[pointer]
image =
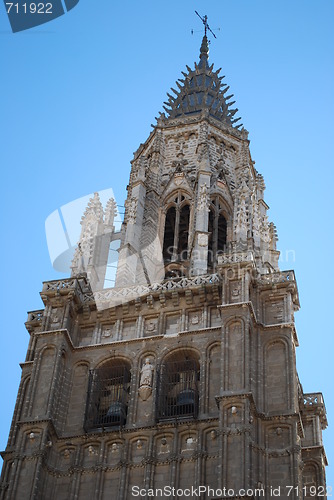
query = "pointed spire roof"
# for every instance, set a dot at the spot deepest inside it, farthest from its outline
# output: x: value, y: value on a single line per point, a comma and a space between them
x: 111, y: 210
x: 202, y: 88
x: 94, y: 208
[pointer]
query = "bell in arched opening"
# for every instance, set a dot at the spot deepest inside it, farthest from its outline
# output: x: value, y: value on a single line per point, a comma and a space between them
x: 176, y: 233
x: 178, y: 386
x: 108, y: 395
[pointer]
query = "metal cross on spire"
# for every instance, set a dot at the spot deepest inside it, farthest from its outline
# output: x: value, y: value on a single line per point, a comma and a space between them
x: 206, y: 25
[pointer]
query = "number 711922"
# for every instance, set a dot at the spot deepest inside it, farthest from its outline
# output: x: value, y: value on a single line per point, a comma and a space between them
x: 32, y: 8
x: 310, y: 491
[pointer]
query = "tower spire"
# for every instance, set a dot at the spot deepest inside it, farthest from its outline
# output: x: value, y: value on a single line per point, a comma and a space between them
x: 202, y: 89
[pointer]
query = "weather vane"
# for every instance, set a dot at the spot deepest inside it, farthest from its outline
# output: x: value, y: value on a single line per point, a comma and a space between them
x: 206, y: 24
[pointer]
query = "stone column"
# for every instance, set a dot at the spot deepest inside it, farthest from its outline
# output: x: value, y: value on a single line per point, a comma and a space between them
x: 199, y: 254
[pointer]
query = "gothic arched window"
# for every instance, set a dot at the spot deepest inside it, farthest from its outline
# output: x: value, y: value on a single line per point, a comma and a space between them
x: 108, y: 393
x: 178, y: 386
x: 217, y: 229
x: 175, y: 245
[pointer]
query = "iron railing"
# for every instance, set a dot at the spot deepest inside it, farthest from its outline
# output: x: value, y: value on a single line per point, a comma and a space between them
x: 107, y: 398
x: 178, y: 390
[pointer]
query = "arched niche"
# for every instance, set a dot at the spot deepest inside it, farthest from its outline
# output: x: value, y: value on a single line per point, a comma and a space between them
x: 218, y: 229
x: 310, y: 479
x: 178, y: 389
x: 235, y: 356
x: 276, y: 373
x: 77, y: 398
x: 176, y: 228
x: 45, y: 377
x: 108, y: 394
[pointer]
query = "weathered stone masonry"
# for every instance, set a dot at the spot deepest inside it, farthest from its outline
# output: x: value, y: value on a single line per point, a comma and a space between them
x: 199, y: 303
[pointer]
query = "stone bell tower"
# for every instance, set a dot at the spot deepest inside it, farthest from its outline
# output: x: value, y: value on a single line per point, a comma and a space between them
x: 182, y: 377
x: 204, y: 197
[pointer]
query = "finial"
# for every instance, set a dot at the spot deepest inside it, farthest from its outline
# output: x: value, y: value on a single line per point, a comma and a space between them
x: 205, y: 42
x: 204, y: 48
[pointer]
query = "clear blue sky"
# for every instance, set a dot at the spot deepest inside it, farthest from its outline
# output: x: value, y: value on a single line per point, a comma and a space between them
x: 78, y: 97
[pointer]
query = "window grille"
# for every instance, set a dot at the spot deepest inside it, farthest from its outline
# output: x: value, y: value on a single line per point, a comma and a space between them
x: 107, y: 398
x: 176, y: 234
x: 178, y: 389
x: 217, y: 229
x: 168, y: 247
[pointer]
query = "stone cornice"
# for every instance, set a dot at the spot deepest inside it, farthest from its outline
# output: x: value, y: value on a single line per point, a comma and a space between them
x: 261, y: 200
x: 156, y: 426
x: 237, y: 395
x: 194, y: 119
x: 138, y: 183
x: 276, y: 326
x: 122, y: 342
x: 319, y: 448
x: 198, y: 331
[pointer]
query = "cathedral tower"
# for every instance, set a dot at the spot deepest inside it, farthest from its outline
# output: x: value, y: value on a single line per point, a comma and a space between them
x: 183, y: 375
